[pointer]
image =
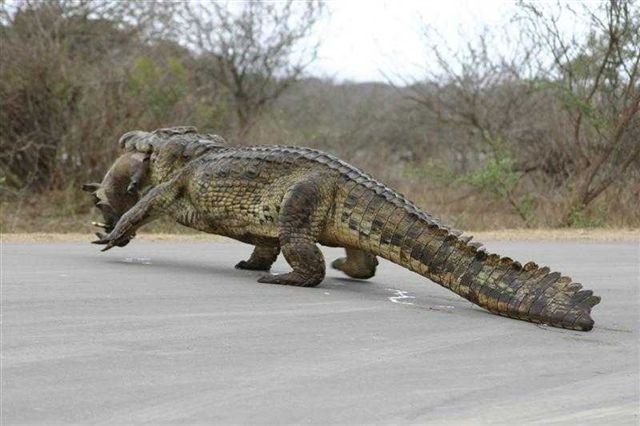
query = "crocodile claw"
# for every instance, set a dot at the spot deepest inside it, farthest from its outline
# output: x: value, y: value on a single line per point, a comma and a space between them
x: 109, y: 246
x: 110, y: 242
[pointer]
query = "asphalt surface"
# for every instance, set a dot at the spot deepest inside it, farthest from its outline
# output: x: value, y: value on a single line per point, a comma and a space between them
x: 172, y: 333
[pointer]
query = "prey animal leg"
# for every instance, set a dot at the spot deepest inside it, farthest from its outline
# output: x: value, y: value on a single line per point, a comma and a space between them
x: 358, y: 264
x: 261, y: 259
x: 302, y: 215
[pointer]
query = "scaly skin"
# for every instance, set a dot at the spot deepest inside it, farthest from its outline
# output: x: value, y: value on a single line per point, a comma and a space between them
x: 291, y: 199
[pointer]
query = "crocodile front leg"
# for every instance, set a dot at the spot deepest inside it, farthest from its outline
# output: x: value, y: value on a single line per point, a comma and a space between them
x: 150, y: 207
x: 302, y: 214
x: 261, y: 259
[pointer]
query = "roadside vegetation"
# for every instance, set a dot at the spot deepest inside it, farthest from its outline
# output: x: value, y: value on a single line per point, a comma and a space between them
x: 545, y: 134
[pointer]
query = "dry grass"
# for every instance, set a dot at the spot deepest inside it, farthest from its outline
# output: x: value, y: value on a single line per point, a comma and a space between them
x: 503, y: 235
x: 70, y: 211
x: 66, y: 216
x: 598, y: 234
x: 41, y: 237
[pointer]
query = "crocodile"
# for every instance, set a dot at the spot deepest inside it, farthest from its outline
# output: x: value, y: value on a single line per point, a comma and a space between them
x: 289, y: 200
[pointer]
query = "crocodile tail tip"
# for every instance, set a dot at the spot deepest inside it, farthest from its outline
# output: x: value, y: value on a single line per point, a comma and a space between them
x: 584, y: 300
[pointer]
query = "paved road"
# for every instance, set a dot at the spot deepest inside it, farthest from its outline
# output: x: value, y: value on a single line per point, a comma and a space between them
x: 170, y: 332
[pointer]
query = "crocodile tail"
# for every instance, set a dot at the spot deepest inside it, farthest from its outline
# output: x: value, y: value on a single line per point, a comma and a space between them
x: 387, y: 225
x: 373, y: 218
x: 498, y: 284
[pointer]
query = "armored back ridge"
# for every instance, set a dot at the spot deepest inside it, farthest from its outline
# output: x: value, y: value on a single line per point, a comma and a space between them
x: 284, y: 199
x: 171, y: 148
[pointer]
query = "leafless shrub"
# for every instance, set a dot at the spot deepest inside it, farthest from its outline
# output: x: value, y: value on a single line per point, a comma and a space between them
x: 543, y: 135
x: 565, y: 128
x: 597, y: 82
x: 256, y: 52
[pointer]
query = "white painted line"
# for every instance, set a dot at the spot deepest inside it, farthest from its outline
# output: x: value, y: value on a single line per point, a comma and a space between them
x: 400, y: 295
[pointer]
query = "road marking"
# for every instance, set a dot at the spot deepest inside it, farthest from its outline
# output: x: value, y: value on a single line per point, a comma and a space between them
x: 400, y: 295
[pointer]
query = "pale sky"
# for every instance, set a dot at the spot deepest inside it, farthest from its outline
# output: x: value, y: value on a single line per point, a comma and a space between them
x: 364, y: 39
x: 378, y: 40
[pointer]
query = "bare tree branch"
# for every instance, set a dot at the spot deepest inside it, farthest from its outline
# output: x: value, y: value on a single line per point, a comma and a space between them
x: 256, y: 52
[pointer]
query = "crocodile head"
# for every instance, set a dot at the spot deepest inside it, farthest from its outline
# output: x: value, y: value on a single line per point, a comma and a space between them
x: 120, y: 188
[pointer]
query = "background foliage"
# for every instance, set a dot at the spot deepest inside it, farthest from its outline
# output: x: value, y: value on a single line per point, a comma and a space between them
x: 547, y: 135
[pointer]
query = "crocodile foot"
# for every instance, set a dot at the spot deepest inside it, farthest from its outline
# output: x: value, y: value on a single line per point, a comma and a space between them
x: 358, y: 264
x: 291, y: 278
x: 253, y: 266
x: 110, y: 241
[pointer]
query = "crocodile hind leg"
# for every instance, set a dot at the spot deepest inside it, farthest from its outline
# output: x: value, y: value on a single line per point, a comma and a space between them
x: 303, y: 211
x: 357, y: 264
x: 261, y: 259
